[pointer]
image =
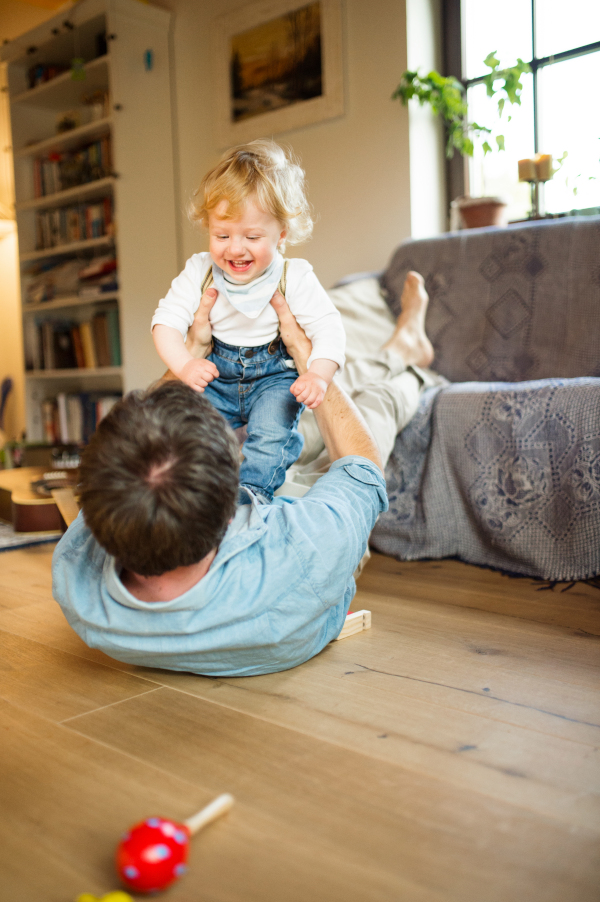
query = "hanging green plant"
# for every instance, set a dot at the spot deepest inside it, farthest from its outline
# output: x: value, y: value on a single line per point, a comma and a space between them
x: 446, y: 96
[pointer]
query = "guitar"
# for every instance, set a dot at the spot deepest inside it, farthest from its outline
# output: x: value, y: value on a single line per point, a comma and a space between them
x: 35, y: 500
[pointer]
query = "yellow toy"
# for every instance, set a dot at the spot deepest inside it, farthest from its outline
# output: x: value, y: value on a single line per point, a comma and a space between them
x: 116, y: 896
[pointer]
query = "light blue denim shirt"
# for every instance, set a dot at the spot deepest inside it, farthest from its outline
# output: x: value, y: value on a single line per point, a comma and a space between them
x: 276, y: 593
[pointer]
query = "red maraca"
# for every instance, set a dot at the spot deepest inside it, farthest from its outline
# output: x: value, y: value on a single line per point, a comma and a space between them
x: 153, y: 854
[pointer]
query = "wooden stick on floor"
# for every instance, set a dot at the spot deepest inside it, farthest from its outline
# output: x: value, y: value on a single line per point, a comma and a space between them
x: 355, y: 623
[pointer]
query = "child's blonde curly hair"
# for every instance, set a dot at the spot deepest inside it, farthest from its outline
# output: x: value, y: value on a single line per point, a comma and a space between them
x: 262, y: 170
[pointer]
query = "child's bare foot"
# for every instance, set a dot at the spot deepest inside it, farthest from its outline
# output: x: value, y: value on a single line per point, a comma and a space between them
x: 410, y: 339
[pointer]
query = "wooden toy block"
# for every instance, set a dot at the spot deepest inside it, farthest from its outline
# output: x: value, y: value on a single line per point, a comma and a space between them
x: 356, y: 622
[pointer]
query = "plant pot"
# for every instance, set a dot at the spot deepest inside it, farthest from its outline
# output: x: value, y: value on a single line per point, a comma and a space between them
x: 477, y: 212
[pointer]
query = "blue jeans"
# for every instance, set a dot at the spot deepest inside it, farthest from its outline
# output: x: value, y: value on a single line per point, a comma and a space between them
x: 253, y: 388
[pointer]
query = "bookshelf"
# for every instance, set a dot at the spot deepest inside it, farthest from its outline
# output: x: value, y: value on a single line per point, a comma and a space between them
x: 89, y: 94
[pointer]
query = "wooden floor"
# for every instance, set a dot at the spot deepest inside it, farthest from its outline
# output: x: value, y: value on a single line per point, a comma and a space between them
x: 451, y: 753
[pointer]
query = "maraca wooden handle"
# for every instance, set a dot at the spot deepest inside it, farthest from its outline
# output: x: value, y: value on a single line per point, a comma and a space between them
x: 221, y: 805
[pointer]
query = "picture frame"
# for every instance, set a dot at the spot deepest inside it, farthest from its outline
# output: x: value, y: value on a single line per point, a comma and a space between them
x: 278, y: 67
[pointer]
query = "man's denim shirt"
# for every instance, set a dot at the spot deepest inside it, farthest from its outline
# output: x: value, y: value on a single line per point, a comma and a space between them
x: 276, y: 593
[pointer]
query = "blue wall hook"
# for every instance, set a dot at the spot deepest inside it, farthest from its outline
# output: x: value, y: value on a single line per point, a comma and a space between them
x: 149, y: 60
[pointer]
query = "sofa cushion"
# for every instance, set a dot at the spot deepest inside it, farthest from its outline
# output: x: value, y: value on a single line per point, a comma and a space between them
x: 510, y: 304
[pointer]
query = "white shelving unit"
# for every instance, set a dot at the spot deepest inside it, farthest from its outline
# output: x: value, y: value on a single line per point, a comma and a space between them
x: 125, y: 52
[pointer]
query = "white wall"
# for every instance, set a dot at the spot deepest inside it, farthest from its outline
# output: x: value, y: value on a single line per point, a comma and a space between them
x: 357, y: 165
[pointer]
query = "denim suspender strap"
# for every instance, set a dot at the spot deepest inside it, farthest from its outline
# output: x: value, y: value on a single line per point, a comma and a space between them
x: 206, y: 281
x: 282, y: 287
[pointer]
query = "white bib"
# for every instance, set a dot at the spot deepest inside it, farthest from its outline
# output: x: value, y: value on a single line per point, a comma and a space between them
x: 251, y: 298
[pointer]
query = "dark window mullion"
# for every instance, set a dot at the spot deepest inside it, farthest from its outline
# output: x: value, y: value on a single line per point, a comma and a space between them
x: 544, y: 61
x: 534, y: 69
x: 567, y: 54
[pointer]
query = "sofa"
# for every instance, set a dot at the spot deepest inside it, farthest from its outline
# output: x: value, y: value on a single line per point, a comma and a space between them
x: 500, y: 467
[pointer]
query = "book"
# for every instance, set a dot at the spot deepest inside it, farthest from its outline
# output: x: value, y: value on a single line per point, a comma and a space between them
x: 49, y: 421
x: 73, y: 418
x: 100, y: 333
x: 63, y: 428
x: 59, y: 171
x: 32, y: 344
x: 78, y: 222
x: 47, y: 345
x: 64, y: 351
x: 87, y: 341
x: 77, y: 346
x: 114, y: 341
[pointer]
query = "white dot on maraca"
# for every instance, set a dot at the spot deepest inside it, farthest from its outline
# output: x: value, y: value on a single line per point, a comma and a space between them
x: 156, y: 853
x: 131, y: 872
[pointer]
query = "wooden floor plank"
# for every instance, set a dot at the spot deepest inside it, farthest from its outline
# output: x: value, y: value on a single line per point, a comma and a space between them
x: 66, y: 800
x: 25, y: 575
x: 457, y: 584
x: 477, y: 843
x: 43, y: 621
x: 380, y: 770
x: 555, y: 777
x: 57, y: 685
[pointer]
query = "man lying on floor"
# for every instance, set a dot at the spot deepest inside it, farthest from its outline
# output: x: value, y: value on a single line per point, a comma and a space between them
x: 163, y: 569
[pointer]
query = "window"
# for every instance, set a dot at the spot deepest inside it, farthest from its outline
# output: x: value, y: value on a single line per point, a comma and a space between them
x: 559, y: 112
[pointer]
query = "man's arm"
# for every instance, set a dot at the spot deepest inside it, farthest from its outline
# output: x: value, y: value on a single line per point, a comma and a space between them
x: 343, y: 429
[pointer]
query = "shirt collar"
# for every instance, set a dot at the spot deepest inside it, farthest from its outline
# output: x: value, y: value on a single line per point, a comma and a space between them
x: 245, y: 529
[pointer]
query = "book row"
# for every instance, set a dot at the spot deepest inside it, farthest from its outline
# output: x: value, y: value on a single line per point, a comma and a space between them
x: 78, y: 222
x: 63, y: 344
x: 60, y: 171
x: 41, y: 72
x: 73, y: 418
x: 45, y: 280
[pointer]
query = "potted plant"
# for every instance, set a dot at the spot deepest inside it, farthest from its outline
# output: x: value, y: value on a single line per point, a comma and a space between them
x: 446, y: 97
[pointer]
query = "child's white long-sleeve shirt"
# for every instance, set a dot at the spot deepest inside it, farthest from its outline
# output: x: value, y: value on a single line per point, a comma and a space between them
x: 306, y: 297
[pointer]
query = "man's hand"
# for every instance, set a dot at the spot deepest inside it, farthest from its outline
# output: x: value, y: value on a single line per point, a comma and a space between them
x: 198, y: 373
x: 309, y: 389
x: 198, y: 341
x: 199, y: 337
x: 294, y: 337
x: 343, y: 429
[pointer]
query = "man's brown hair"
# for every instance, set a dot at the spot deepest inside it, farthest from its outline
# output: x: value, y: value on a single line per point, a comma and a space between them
x: 159, y: 479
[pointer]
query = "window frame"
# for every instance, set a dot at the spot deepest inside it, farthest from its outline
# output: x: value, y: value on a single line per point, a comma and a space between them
x: 456, y: 178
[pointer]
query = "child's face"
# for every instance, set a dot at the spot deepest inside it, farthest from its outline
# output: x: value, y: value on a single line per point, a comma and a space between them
x: 243, y: 248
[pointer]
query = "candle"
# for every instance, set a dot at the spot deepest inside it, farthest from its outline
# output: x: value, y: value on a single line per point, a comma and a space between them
x: 527, y: 171
x: 543, y: 166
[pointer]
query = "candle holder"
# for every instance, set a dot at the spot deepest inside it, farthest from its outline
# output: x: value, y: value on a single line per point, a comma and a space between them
x: 536, y: 171
x: 537, y: 199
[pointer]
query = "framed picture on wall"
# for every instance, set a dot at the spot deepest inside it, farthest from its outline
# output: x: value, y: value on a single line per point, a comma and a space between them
x: 278, y: 66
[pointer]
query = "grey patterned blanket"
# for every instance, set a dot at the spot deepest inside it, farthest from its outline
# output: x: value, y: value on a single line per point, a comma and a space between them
x: 504, y: 474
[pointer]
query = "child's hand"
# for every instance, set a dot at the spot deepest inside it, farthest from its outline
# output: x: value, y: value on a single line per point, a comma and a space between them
x: 198, y: 373
x: 309, y: 389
